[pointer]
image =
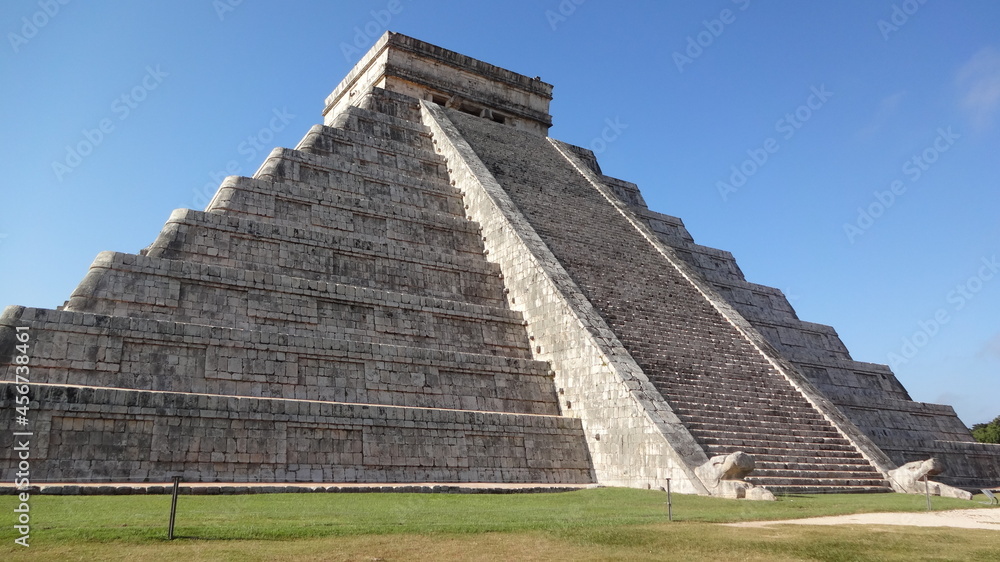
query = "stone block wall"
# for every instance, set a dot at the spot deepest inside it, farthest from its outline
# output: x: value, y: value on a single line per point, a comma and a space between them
x: 339, y: 257
x: 332, y: 319
x: 132, y: 353
x: 104, y: 434
x: 143, y: 287
x: 424, y: 71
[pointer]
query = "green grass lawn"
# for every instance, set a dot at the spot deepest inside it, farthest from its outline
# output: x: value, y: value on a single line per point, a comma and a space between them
x: 609, y: 523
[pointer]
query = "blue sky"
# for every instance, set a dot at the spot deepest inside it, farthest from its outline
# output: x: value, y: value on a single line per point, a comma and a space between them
x: 845, y: 152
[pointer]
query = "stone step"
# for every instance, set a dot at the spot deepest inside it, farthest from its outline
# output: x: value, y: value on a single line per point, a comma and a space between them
x: 141, y: 286
x: 687, y: 378
x: 792, y: 434
x: 724, y: 418
x: 742, y: 409
x: 381, y: 125
x: 120, y: 352
x: 422, y: 164
x: 392, y: 104
x: 737, y: 387
x: 802, y: 490
x: 795, y: 461
x: 745, y: 411
x: 812, y: 481
x: 846, y: 465
x: 824, y: 455
x: 812, y: 473
x: 290, y: 165
x: 317, y: 254
x: 752, y: 445
x: 351, y: 145
x: 279, y: 203
x: 808, y: 424
x: 134, y: 435
x: 429, y: 189
x: 798, y: 431
x: 740, y: 424
x: 722, y: 400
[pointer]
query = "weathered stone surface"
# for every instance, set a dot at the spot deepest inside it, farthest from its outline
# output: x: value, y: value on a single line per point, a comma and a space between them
x: 914, y: 478
x: 734, y: 466
x: 423, y: 71
x: 332, y: 319
x: 725, y: 476
x: 104, y: 434
x: 427, y: 289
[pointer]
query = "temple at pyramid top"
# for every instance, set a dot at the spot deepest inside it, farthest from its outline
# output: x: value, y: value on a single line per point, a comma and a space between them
x: 412, y: 67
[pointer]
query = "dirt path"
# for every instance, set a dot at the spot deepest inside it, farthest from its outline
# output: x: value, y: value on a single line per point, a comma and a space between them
x: 963, y: 518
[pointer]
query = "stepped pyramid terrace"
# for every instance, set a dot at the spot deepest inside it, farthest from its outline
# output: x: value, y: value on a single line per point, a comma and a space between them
x: 428, y: 288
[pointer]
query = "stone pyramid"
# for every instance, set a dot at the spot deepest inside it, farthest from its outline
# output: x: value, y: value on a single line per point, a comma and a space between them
x: 429, y: 289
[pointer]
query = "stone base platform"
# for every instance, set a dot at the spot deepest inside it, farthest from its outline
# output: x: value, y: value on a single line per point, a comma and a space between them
x: 235, y: 488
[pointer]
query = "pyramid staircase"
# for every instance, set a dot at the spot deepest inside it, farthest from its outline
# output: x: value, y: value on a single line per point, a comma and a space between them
x: 869, y: 394
x: 720, y: 386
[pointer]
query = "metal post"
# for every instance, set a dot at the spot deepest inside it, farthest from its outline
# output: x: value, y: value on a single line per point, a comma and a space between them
x: 670, y: 507
x: 927, y: 492
x: 173, y: 507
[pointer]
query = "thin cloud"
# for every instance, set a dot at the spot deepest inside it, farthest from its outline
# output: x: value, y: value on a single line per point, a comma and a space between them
x: 978, y: 81
x: 991, y: 349
x: 887, y: 107
x: 949, y: 398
